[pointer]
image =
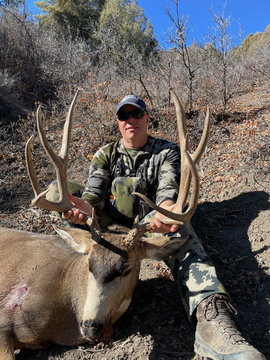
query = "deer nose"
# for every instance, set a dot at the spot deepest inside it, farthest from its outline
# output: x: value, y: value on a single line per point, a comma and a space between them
x: 92, y: 329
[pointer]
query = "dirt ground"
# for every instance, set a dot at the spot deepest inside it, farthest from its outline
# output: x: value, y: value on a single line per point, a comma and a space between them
x: 232, y: 220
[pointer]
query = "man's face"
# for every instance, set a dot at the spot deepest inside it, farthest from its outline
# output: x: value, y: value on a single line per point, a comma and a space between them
x: 134, y: 131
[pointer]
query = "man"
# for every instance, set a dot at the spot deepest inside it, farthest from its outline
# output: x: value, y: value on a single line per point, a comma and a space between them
x: 138, y: 162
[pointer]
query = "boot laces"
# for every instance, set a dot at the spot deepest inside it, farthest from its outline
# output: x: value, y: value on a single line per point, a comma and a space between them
x: 213, y: 310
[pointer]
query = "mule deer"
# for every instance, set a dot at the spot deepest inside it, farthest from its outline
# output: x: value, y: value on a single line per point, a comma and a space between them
x: 69, y: 288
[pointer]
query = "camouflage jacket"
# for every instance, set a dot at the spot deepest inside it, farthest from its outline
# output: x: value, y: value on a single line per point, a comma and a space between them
x: 115, y: 173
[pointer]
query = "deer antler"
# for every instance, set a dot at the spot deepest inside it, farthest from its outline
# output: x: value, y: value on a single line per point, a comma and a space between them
x: 136, y: 233
x: 185, y: 146
x: 59, y: 161
x: 189, y: 171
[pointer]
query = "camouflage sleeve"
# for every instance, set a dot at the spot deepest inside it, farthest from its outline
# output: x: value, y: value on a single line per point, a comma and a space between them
x: 169, y: 176
x: 98, y: 179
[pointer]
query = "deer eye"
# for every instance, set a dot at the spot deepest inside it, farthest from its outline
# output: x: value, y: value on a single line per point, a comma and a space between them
x: 110, y: 277
x: 127, y: 272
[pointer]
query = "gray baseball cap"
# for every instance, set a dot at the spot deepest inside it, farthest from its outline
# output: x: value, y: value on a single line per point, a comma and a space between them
x: 132, y: 100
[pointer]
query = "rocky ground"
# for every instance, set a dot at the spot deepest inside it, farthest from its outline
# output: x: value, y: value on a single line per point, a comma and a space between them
x: 232, y: 220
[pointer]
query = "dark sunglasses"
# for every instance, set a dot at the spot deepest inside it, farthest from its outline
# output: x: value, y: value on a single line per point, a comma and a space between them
x: 136, y: 114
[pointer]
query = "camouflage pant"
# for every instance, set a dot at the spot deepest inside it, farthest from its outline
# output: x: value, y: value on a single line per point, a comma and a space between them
x: 191, y: 267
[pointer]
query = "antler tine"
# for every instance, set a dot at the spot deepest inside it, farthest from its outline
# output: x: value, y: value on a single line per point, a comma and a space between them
x: 184, y: 146
x: 60, y: 164
x: 67, y: 129
x: 204, y: 140
x: 185, y: 179
x: 30, y: 167
x: 181, y: 123
x: 136, y: 233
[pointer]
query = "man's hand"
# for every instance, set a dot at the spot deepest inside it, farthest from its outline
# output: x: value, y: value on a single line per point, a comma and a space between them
x: 76, y: 216
x: 157, y: 225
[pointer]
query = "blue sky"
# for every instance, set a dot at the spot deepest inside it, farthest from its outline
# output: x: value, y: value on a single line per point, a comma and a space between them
x: 253, y: 15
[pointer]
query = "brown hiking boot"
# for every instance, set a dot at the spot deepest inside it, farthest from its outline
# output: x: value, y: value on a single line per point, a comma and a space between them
x: 216, y: 335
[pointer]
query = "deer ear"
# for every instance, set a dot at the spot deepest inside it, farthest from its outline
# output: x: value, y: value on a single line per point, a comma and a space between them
x: 80, y: 240
x: 161, y: 247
